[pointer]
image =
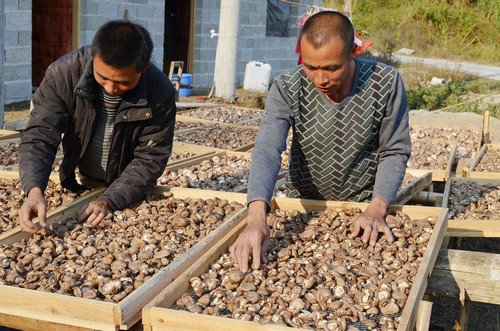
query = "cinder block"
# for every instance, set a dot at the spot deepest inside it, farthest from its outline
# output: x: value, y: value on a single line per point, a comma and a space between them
x: 149, y: 12
x: 18, y: 55
x: 18, y: 19
x: 132, y: 11
x: 11, y: 5
x: 11, y: 38
x: 25, y: 4
x: 108, y: 8
x: 16, y: 91
x: 13, y: 72
x: 89, y: 7
x: 25, y: 38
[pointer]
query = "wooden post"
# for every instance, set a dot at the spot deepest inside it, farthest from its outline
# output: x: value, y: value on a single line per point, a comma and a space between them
x: 464, y: 310
x: 486, y: 127
x: 2, y: 46
x: 424, y: 315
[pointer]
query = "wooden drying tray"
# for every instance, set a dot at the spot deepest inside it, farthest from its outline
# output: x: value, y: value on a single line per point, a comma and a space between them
x: 188, y: 162
x: 189, y: 119
x: 158, y: 314
x: 423, y: 181
x: 8, y: 134
x: 244, y: 148
x: 475, y: 161
x: 471, y: 228
x: 457, y: 271
x: 481, y: 131
x: 22, y: 308
x: 440, y: 175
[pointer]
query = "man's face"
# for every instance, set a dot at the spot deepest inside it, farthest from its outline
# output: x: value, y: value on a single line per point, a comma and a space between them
x: 115, y: 81
x: 328, y: 66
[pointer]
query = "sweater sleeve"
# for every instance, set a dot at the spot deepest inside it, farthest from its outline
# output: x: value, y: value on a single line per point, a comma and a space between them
x: 395, y: 144
x: 269, y: 145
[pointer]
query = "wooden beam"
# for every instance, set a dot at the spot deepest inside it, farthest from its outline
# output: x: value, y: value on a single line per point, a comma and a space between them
x: 408, y: 192
x: 477, y: 272
x: 424, y: 315
x: 473, y: 228
x: 464, y: 309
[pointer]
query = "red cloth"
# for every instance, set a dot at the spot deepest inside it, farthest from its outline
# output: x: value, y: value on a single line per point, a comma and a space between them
x: 362, y: 44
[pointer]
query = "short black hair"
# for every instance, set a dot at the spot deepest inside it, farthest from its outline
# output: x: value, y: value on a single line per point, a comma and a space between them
x: 323, y: 26
x: 122, y: 44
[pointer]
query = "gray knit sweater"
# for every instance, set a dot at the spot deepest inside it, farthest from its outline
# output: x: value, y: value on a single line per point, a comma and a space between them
x: 348, y: 151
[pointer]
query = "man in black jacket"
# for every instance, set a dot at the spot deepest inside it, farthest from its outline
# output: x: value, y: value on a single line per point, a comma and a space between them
x: 114, y: 113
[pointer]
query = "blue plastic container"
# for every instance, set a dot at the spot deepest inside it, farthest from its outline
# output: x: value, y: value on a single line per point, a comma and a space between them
x: 187, y: 79
x: 184, y: 92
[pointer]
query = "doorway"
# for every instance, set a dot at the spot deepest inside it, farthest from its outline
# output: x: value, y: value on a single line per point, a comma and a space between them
x: 52, y: 34
x: 178, y: 33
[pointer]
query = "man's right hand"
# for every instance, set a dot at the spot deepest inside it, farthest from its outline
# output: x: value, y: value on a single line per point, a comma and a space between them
x: 34, y: 205
x: 254, y: 239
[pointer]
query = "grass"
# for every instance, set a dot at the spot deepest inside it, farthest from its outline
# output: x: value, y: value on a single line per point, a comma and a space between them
x: 456, y: 30
x: 458, y: 88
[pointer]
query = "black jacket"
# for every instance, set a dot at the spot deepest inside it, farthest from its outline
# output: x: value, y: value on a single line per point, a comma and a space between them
x: 65, y: 106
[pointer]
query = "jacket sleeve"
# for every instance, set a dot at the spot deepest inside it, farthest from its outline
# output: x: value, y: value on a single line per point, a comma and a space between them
x: 270, y: 143
x: 149, y: 161
x: 42, y: 134
x: 395, y: 144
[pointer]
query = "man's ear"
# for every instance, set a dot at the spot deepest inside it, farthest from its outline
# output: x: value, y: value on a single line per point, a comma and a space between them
x: 353, y: 51
x: 147, y: 67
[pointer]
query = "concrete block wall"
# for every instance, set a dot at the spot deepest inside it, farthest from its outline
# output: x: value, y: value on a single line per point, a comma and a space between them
x: 16, y: 50
x: 17, y: 33
x: 148, y: 13
x: 253, y: 44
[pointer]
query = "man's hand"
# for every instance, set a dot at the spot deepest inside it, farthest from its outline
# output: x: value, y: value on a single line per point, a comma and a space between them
x: 95, y: 212
x: 372, y: 222
x: 34, y: 205
x: 255, y: 238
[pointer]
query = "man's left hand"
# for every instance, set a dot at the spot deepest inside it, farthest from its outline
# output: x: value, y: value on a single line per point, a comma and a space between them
x: 372, y: 222
x: 95, y: 212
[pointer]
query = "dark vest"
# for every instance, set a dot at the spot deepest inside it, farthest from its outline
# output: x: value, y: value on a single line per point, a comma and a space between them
x: 334, y: 153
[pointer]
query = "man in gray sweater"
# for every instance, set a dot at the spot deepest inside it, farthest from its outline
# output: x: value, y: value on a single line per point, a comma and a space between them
x: 351, y: 139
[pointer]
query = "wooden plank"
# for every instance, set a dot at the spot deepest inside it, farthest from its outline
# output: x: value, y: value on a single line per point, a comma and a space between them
x: 424, y: 315
x: 185, y: 147
x: 8, y: 134
x: 16, y: 125
x: 408, y: 317
x: 34, y: 323
x: 190, y: 105
x: 451, y: 160
x: 158, y: 314
x: 190, y: 119
x: 478, y: 157
x: 474, y: 228
x: 477, y: 272
x: 54, y: 308
x: 464, y: 309
x: 414, y: 188
x: 486, y: 127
